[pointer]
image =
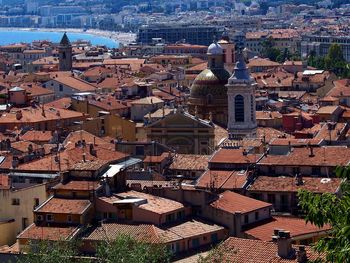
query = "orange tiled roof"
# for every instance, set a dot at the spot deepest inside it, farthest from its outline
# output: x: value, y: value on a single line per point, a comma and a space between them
x: 227, y: 180
x: 333, y: 134
x: 341, y: 88
x: 153, y: 234
x: 288, y: 184
x: 35, y: 90
x: 154, y: 203
x: 75, y: 83
x: 134, y: 63
x: 70, y: 158
x: 267, y: 134
x: 234, y: 156
x: 23, y: 146
x: 107, y: 103
x: 256, y: 251
x: 295, y: 142
x: 266, y: 115
x: 97, y: 71
x: 34, y: 115
x: 188, y: 229
x: 323, y: 156
x: 42, y: 136
x: 296, y: 227
x: 156, y: 159
x: 262, y: 62
x: 64, y: 206
x: 232, y: 202
x: 63, y: 103
x: 193, y: 162
x: 109, y: 231
x: 78, y: 186
x: 34, y: 232
x: 81, y: 135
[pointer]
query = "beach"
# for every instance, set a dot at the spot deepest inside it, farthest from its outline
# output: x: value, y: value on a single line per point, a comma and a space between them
x: 120, y: 37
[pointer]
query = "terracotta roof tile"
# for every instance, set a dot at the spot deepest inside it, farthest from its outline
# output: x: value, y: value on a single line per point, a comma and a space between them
x: 154, y: 203
x: 107, y: 103
x: 34, y: 115
x: 256, y: 251
x: 295, y: 142
x: 188, y: 229
x: 70, y: 158
x: 77, y: 84
x: 64, y: 206
x: 233, y: 156
x: 78, y: 186
x: 296, y: 227
x: 37, y: 136
x: 23, y: 146
x: 323, y: 156
x: 288, y: 184
x: 227, y: 180
x: 110, y: 231
x: 81, y: 135
x: 232, y: 202
x: 190, y: 162
x: 341, y: 88
x: 34, y: 232
x: 63, y: 103
x: 156, y: 159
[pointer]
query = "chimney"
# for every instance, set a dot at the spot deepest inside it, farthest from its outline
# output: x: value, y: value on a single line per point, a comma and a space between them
x: 284, y: 244
x: 298, y: 180
x: 19, y: 115
x: 15, y: 162
x: 301, y: 255
x: 43, y: 111
x: 92, y: 150
x: 311, y: 151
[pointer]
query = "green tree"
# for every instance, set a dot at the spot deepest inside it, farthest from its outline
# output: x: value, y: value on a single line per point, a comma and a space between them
x: 125, y: 249
x: 46, y: 251
x: 334, y: 61
x: 269, y: 50
x: 333, y: 210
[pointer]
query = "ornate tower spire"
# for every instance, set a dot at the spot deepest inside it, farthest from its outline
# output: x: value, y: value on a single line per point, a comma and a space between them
x: 241, y: 101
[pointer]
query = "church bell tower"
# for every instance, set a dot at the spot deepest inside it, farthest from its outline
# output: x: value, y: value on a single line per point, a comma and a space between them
x: 65, y: 54
x: 241, y: 102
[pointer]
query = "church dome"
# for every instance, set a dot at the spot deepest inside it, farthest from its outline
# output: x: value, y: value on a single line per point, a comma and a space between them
x: 215, y: 49
x: 210, y: 82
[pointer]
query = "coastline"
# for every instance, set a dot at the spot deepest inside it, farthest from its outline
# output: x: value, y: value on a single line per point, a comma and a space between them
x: 120, y: 37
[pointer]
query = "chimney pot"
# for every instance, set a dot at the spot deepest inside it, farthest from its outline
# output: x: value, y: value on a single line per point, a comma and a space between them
x: 301, y: 255
x: 284, y: 245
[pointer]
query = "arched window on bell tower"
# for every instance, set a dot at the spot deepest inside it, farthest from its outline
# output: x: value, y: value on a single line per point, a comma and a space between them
x: 239, y: 108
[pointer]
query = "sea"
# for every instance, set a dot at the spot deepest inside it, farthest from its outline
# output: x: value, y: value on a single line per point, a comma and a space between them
x: 8, y: 36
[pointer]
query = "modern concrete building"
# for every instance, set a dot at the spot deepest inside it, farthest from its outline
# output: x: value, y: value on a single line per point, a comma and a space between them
x: 321, y: 44
x: 192, y: 34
